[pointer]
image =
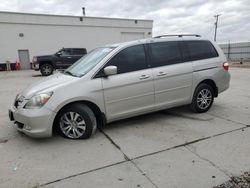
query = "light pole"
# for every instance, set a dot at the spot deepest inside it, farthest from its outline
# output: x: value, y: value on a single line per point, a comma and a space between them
x: 216, y: 24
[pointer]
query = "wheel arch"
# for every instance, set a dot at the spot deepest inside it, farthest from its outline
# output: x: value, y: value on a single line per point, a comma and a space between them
x: 100, y: 116
x: 41, y: 62
x: 211, y: 83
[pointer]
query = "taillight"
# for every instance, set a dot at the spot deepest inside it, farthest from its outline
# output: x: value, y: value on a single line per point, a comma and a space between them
x: 226, y: 66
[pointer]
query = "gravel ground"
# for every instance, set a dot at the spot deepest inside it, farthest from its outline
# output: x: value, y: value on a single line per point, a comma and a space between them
x: 242, y: 181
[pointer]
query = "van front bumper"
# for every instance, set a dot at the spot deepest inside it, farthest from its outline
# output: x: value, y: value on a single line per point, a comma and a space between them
x: 33, y: 122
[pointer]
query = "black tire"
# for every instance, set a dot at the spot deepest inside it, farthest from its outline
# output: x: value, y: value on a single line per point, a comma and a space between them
x: 46, y: 69
x: 200, y: 104
x: 85, y: 114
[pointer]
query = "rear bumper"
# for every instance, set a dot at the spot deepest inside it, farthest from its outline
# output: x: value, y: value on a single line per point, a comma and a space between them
x: 33, y: 122
x: 224, y: 82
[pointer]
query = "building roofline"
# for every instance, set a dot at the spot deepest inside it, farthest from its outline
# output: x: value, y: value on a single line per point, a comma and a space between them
x: 234, y: 42
x: 72, y: 16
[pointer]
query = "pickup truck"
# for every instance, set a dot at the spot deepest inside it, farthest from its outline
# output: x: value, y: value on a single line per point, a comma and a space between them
x: 60, y: 60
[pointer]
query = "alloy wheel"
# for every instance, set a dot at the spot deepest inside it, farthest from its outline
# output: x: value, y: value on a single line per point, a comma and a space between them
x: 204, y: 99
x: 47, y: 69
x: 72, y: 125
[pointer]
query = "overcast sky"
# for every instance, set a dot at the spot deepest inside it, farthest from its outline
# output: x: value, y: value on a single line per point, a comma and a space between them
x: 170, y: 16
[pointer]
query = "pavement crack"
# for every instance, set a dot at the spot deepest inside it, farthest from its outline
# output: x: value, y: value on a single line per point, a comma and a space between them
x: 78, y: 174
x: 188, y: 117
x: 144, y: 174
x: 127, y: 158
x: 227, y: 119
x: 115, y: 145
x: 210, y: 162
x: 191, y: 142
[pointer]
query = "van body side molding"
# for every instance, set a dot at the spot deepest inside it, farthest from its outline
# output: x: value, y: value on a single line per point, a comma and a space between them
x: 205, y: 69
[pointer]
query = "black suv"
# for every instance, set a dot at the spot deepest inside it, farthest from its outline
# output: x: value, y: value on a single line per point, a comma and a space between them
x: 60, y: 60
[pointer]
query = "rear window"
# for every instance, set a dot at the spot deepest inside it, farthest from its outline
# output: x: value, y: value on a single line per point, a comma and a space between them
x: 200, y: 50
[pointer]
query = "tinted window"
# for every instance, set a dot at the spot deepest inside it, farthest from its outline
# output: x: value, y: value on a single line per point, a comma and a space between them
x: 130, y: 59
x: 79, y: 51
x: 66, y: 52
x: 200, y: 50
x: 165, y: 53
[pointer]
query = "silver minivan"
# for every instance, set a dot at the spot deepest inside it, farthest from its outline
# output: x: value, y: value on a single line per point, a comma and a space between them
x: 119, y: 81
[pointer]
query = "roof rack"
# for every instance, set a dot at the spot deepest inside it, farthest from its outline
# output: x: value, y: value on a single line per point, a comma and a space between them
x: 180, y: 35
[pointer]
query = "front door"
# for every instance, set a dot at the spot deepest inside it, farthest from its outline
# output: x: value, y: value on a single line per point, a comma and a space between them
x: 130, y: 92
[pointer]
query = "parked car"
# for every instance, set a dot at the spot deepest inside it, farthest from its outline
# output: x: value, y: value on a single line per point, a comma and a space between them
x: 60, y: 60
x: 120, y: 81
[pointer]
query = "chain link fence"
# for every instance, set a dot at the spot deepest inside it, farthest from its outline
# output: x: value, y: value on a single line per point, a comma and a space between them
x: 237, y: 51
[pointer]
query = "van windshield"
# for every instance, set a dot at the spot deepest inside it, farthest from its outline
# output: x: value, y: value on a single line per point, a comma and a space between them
x: 87, y: 62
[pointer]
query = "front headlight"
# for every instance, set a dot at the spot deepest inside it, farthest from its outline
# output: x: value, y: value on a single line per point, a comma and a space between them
x: 38, y: 101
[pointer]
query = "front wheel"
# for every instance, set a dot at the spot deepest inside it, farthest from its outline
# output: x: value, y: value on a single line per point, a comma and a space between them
x: 203, y: 98
x: 46, y: 69
x: 77, y: 122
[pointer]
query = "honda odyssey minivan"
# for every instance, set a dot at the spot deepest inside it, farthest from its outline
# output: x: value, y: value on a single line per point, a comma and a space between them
x: 119, y: 81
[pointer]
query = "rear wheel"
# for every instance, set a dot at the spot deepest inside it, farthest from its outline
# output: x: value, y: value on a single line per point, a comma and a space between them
x: 46, y: 69
x: 77, y: 122
x: 203, y: 98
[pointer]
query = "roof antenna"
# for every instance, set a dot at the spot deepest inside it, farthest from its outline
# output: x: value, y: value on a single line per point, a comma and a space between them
x: 83, y: 11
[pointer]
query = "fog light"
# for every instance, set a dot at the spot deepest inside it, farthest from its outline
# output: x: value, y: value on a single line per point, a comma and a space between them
x: 19, y: 125
x: 27, y: 127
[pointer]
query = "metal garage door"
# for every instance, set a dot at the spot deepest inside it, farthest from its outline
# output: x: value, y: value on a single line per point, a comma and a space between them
x: 24, y: 59
x: 128, y: 36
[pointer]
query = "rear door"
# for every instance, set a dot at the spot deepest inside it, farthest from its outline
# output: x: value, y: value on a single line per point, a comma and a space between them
x: 172, y: 75
x: 131, y: 91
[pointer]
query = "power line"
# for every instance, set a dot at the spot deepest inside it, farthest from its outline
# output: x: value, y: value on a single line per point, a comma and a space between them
x: 216, y: 25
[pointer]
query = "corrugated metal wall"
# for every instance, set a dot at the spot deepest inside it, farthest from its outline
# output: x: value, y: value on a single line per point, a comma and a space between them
x: 236, y: 51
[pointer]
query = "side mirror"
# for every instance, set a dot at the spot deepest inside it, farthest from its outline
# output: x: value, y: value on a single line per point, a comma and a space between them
x: 58, y: 54
x: 110, y: 70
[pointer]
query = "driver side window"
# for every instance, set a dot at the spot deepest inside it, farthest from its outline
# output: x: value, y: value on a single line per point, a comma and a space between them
x: 130, y: 59
x: 66, y: 52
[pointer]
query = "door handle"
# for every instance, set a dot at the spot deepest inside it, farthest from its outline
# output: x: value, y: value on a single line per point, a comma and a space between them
x: 69, y: 57
x: 142, y: 77
x: 161, y: 74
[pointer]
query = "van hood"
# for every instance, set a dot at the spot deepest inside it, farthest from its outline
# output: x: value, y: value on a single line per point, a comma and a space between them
x: 48, y: 84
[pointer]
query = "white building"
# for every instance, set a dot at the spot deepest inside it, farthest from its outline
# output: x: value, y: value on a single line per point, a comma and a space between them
x: 24, y: 35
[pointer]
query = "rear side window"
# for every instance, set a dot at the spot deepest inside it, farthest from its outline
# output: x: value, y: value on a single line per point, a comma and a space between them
x: 79, y: 51
x: 165, y: 53
x: 130, y: 59
x: 200, y: 50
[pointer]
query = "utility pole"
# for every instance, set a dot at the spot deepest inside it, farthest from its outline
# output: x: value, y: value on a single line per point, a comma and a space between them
x: 216, y: 24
